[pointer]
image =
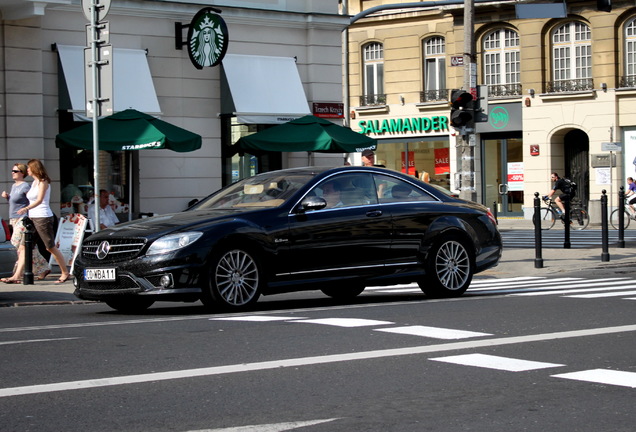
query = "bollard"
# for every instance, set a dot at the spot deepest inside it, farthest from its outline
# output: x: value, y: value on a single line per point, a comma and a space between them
x: 538, y: 260
x: 566, y: 224
x: 27, y: 277
x: 494, y: 211
x: 605, y: 254
x: 621, y: 218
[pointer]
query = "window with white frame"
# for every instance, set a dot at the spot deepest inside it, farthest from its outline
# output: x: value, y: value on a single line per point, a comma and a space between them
x: 373, y: 74
x: 630, y: 54
x: 572, y: 57
x: 434, y: 69
x: 502, y: 61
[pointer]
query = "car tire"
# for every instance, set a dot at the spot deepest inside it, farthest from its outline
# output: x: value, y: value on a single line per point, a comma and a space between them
x: 234, y: 280
x: 130, y: 305
x: 449, y: 268
x: 343, y: 291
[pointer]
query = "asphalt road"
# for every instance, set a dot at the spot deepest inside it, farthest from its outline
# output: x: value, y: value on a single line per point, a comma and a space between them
x: 551, y: 353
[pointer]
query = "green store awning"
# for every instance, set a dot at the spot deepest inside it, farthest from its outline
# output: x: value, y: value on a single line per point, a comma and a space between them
x: 130, y: 130
x: 310, y: 134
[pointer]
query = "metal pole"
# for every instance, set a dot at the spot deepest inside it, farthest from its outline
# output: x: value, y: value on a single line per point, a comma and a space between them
x: 566, y: 221
x: 467, y: 148
x: 538, y: 259
x: 621, y: 217
x: 605, y: 254
x: 27, y: 278
x: 95, y: 102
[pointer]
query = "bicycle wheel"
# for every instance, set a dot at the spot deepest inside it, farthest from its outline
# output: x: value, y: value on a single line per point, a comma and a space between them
x: 614, y: 219
x: 546, y: 218
x: 580, y: 219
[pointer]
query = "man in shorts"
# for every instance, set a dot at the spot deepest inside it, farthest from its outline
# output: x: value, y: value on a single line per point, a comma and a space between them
x: 559, y: 185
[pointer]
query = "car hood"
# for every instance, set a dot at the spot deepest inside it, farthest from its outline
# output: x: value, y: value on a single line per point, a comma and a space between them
x: 158, y: 226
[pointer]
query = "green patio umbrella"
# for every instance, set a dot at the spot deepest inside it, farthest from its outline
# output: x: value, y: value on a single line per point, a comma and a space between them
x: 310, y: 134
x: 130, y: 130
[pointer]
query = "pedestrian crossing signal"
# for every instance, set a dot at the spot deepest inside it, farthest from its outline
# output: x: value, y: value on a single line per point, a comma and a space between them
x: 461, y: 108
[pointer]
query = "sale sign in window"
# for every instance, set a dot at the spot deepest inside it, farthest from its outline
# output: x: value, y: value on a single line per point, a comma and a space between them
x: 515, y: 176
x: 442, y: 161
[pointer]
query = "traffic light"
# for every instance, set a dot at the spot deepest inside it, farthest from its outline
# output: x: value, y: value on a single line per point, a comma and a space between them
x: 461, y: 108
x: 604, y: 5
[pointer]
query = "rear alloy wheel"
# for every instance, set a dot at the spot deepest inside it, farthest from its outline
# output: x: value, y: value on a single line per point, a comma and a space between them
x: 449, y: 269
x: 343, y: 291
x: 130, y: 305
x: 234, y: 282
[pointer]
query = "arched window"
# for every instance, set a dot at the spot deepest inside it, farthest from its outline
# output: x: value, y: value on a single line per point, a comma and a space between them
x: 571, y: 58
x: 434, y: 54
x: 502, y: 62
x: 629, y: 80
x: 373, y: 75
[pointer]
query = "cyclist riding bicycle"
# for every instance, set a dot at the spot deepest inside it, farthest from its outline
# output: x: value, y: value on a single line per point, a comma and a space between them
x: 630, y: 195
x: 563, y: 186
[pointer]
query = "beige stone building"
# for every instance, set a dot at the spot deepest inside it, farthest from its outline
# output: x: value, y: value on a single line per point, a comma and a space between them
x: 283, y: 56
x: 559, y: 90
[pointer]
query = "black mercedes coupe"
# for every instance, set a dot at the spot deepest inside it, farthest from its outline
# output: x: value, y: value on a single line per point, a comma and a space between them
x: 337, y: 230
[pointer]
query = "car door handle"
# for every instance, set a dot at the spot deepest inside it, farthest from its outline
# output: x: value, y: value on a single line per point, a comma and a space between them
x: 374, y: 213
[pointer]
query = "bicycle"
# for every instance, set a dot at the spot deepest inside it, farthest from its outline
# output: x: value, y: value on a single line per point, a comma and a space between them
x: 579, y: 219
x: 628, y: 216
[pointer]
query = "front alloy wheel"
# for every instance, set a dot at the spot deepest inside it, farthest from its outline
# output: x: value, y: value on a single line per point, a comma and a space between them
x: 449, y: 270
x: 235, y: 279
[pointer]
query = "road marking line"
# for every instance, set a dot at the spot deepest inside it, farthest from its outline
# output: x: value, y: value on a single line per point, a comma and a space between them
x: 305, y: 361
x: 433, y: 332
x: 578, y: 290
x: 38, y: 340
x: 598, y: 295
x: 257, y: 318
x: 496, y: 362
x: 345, y: 322
x: 603, y: 376
x: 273, y: 427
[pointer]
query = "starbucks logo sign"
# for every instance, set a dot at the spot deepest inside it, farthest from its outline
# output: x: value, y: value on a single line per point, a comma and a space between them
x: 207, y: 39
x: 499, y: 117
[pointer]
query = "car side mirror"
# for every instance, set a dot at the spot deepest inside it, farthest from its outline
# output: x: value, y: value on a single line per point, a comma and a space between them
x: 312, y: 203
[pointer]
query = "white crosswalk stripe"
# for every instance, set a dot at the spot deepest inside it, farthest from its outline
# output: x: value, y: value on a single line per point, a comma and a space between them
x: 603, y: 376
x: 533, y: 286
x: 554, y: 238
x: 496, y: 362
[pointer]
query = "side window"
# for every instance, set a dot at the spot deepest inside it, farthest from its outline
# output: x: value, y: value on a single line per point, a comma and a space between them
x: 347, y: 190
x: 391, y: 190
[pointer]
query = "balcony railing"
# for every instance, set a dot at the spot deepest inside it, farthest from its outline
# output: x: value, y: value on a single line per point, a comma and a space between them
x: 628, y: 81
x: 434, y: 95
x: 373, y: 100
x: 504, y: 90
x: 570, y: 85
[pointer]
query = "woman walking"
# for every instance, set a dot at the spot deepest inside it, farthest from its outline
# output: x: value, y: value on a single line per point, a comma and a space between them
x: 39, y: 211
x: 18, y: 199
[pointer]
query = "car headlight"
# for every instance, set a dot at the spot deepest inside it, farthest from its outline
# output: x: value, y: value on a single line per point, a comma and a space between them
x: 173, y: 242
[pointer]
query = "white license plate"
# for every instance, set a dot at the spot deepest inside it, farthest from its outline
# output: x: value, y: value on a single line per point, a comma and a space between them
x: 101, y: 274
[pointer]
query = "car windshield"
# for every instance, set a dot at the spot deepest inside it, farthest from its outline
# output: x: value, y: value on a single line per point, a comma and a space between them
x: 264, y: 190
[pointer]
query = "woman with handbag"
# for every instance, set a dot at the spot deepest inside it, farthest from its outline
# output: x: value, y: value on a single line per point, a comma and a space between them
x: 39, y: 211
x: 18, y: 199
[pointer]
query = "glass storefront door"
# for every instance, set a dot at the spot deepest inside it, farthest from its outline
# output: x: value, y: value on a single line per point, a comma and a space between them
x: 502, y: 175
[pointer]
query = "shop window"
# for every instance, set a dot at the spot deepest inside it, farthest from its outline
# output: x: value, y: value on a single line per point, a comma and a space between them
x: 434, y: 51
x: 502, y: 63
x: 571, y: 58
x: 373, y: 66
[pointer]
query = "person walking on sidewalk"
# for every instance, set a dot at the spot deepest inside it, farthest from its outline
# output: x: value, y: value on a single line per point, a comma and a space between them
x: 18, y: 199
x: 40, y: 213
x: 559, y: 185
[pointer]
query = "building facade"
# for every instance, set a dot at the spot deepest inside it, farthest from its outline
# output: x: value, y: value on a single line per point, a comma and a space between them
x: 42, y: 92
x: 561, y: 97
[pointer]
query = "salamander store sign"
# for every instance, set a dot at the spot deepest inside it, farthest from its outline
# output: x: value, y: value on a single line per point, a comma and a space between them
x: 207, y: 39
x: 404, y: 125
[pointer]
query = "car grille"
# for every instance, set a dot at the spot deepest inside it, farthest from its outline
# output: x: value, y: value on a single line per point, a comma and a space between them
x: 120, y: 249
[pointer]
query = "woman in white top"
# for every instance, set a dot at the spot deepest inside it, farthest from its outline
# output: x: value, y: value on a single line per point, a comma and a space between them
x: 40, y: 212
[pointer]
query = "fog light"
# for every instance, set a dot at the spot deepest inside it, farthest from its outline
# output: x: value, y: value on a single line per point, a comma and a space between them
x: 166, y: 281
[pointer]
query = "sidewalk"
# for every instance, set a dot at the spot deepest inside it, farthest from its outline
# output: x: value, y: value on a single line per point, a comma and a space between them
x: 514, y: 263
